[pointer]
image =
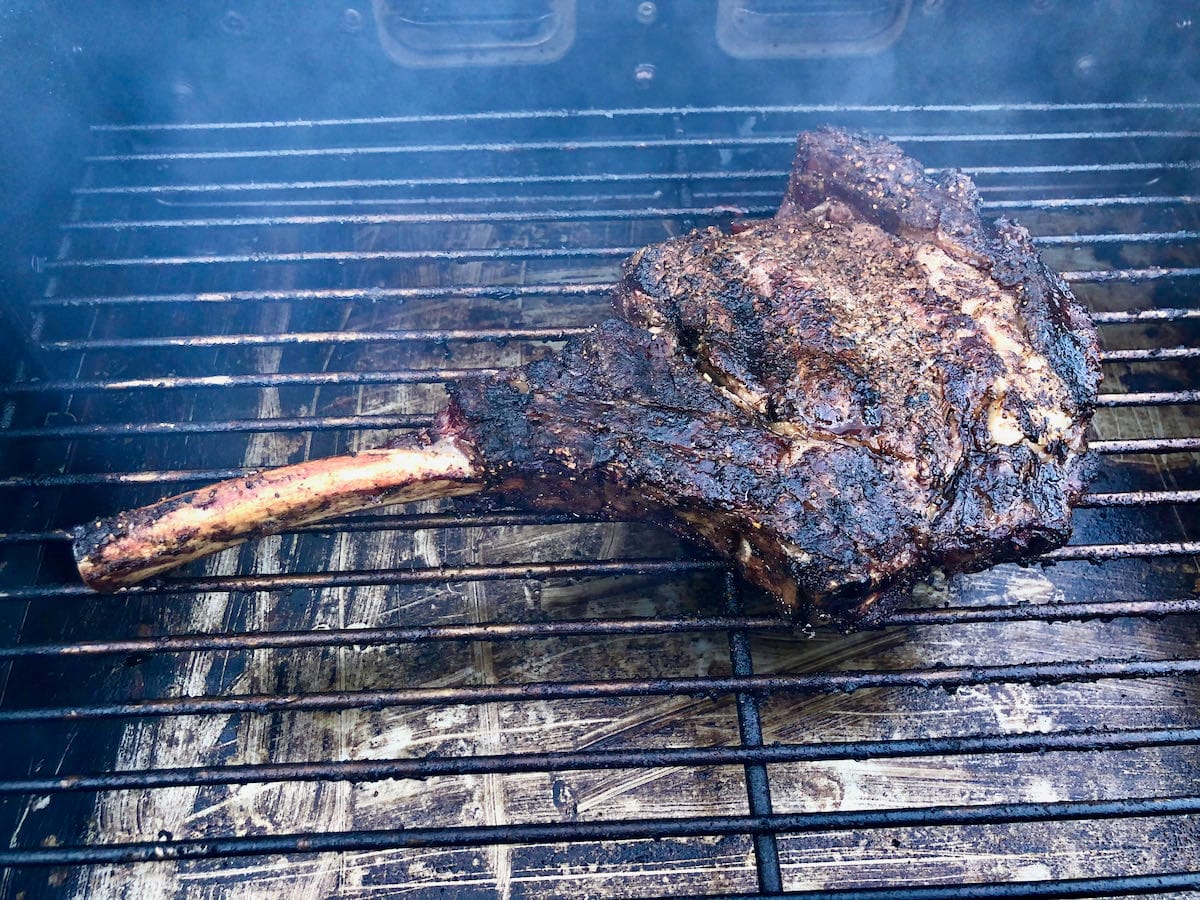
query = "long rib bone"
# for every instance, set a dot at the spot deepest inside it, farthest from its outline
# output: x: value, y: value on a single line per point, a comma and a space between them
x: 133, y: 546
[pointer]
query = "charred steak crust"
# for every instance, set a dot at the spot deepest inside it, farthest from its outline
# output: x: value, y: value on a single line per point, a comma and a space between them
x: 873, y: 384
x: 876, y: 179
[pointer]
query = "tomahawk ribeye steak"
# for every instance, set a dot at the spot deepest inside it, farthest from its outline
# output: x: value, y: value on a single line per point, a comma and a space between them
x: 873, y: 384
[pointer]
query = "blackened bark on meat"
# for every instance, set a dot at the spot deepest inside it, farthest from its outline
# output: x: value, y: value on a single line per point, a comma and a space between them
x: 874, y: 384
x: 882, y: 185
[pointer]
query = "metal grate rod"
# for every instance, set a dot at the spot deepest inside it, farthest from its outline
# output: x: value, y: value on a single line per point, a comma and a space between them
x: 593, y: 760
x: 272, y: 379
x: 359, y: 577
x: 399, y: 335
x: 643, y: 196
x: 1074, y: 168
x: 608, y: 144
x: 1136, y: 237
x: 511, y: 571
x: 1133, y: 446
x: 1045, y: 612
x: 1150, y: 354
x: 225, y: 426
x: 1134, y: 276
x: 778, y: 175
x: 1093, y: 202
x: 371, y: 522
x: 516, y: 148
x: 621, y: 830
x: 944, y: 678
x: 336, y: 295
x: 368, y: 637
x: 726, y: 175
x: 554, y: 215
x: 1137, y: 498
x: 1149, y: 398
x: 1146, y: 315
x: 1099, y: 552
x: 647, y: 111
x: 432, y: 181
x: 758, y: 784
x: 638, y: 627
x: 343, y: 256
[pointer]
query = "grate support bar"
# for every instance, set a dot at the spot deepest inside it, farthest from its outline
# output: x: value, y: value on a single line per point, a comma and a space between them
x: 652, y: 112
x: 343, y: 256
x: 945, y: 678
x: 335, y: 295
x: 608, y: 144
x: 627, y: 829
x: 637, y: 627
x: 222, y: 426
x: 586, y: 178
x: 399, y: 335
x: 515, y: 291
x: 551, y: 215
x: 1134, y: 446
x: 758, y: 784
x: 256, y: 380
x: 1100, y: 552
x: 360, y: 577
x: 1094, y: 553
x: 1082, y: 741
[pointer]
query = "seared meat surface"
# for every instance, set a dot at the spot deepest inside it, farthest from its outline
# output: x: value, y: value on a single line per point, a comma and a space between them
x: 873, y: 384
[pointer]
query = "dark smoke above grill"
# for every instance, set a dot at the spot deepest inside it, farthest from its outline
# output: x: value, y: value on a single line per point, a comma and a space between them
x: 873, y: 384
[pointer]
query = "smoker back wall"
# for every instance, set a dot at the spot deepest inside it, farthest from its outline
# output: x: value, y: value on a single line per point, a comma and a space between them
x: 226, y: 61
x: 460, y: 697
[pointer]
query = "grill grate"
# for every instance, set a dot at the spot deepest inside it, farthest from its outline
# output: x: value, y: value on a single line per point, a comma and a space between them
x: 506, y: 702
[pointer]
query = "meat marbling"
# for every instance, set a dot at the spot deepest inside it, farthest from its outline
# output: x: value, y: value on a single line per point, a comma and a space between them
x: 873, y: 384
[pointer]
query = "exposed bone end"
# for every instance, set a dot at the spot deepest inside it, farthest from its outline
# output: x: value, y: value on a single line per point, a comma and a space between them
x: 133, y: 546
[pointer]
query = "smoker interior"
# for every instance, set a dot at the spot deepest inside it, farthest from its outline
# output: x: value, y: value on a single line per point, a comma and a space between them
x: 458, y: 697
